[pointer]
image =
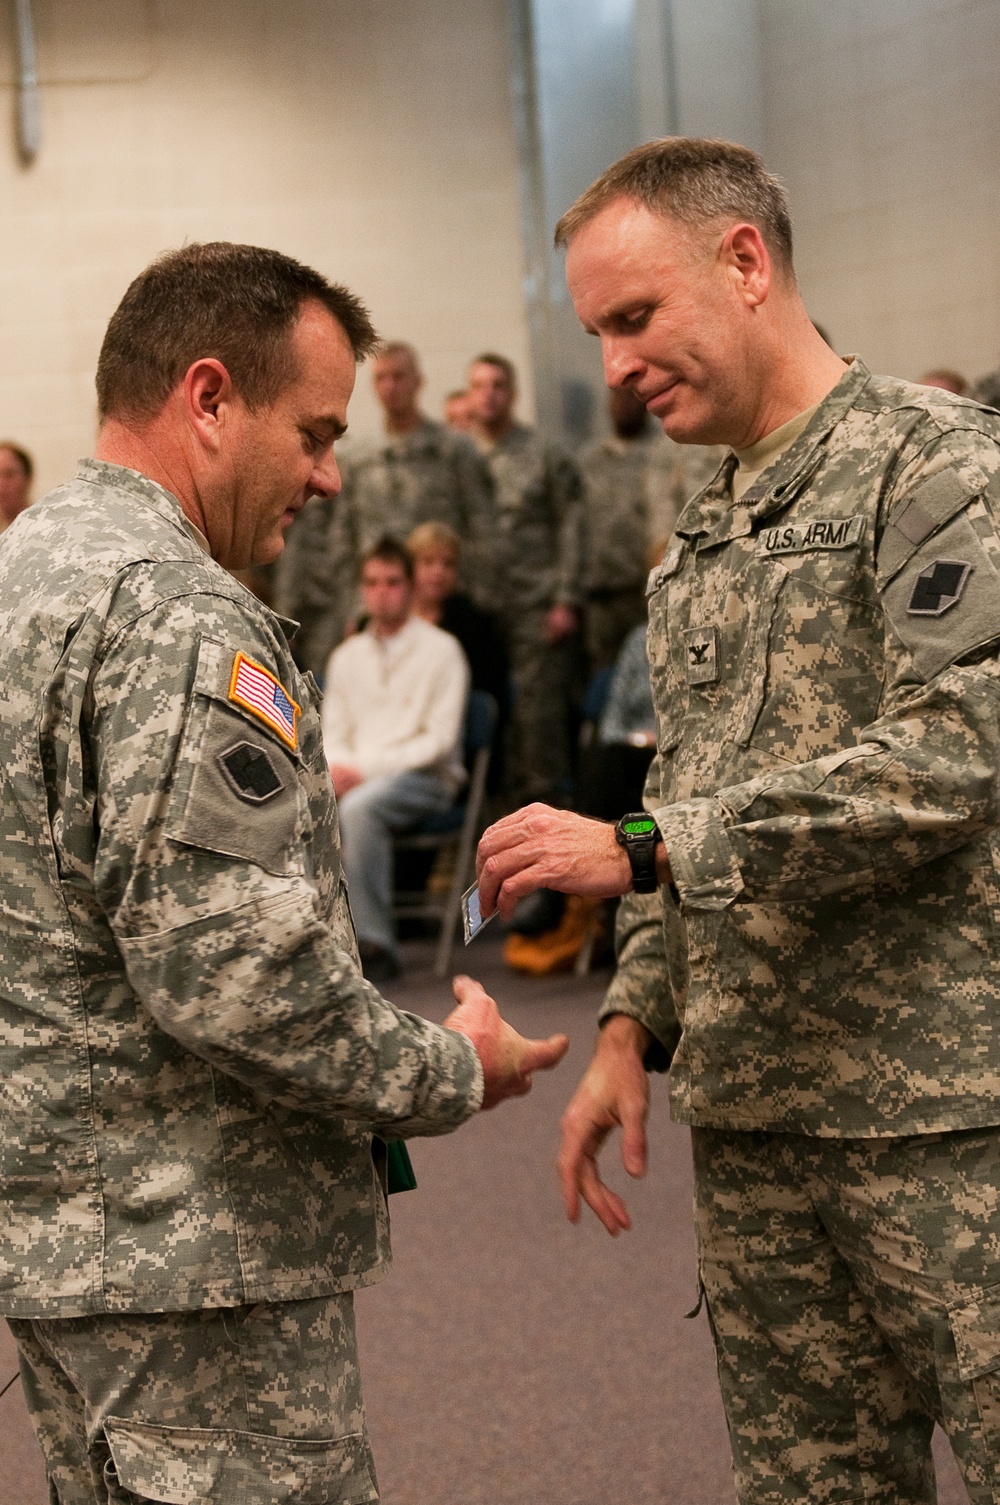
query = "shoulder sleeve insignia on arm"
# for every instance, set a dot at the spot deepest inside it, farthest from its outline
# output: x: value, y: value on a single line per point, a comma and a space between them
x: 258, y: 691
x: 250, y: 772
x: 938, y: 587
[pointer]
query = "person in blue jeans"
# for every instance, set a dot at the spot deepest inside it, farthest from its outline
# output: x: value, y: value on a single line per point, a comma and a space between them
x: 393, y: 710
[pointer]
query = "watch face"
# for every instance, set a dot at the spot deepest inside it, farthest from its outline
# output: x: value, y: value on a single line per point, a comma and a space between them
x: 639, y: 825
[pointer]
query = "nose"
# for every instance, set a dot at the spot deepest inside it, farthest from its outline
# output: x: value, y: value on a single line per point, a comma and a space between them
x: 620, y: 362
x: 325, y: 479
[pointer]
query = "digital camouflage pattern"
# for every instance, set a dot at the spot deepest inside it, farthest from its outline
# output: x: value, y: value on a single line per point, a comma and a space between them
x: 257, y: 1404
x: 616, y: 511
x: 854, y: 1293
x: 677, y: 472
x: 391, y: 485
x: 617, y: 531
x: 536, y: 525
x: 315, y: 584
x: 827, y: 688
x: 191, y: 1064
x: 537, y: 554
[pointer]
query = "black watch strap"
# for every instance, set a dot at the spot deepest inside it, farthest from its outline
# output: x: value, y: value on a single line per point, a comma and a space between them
x: 638, y: 833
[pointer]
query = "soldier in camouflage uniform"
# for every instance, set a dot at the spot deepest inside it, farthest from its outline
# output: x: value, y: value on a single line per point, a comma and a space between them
x: 193, y: 1067
x: 419, y: 472
x: 819, y: 964
x: 535, y: 580
x: 987, y: 389
x: 616, y: 510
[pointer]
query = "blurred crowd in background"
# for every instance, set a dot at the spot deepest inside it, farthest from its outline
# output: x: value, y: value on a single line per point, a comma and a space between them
x: 535, y: 561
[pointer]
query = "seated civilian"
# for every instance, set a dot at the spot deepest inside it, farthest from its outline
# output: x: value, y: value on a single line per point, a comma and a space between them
x: 436, y: 553
x: 392, y: 728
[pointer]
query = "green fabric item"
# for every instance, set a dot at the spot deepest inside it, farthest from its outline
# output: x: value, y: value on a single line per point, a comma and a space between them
x: 400, y: 1167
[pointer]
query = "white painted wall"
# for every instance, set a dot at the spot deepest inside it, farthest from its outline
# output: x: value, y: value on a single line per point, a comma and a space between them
x: 371, y: 138
x: 883, y: 118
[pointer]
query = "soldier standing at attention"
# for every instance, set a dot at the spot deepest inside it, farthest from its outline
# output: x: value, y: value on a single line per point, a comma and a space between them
x: 419, y: 472
x: 192, y: 1066
x: 809, y: 937
x: 616, y: 510
x: 535, y: 582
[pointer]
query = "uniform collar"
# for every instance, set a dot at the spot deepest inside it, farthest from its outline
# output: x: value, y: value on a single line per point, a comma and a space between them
x: 145, y: 491
x: 712, y: 512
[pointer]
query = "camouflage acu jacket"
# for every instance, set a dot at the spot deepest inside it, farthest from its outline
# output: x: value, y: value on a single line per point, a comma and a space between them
x: 537, y: 528
x: 391, y: 485
x: 616, y: 510
x: 827, y: 685
x: 191, y: 1064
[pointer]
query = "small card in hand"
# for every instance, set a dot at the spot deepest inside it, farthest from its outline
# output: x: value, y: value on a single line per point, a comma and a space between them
x: 472, y: 915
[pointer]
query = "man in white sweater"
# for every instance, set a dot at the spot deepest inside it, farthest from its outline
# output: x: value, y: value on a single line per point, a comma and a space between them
x: 392, y: 726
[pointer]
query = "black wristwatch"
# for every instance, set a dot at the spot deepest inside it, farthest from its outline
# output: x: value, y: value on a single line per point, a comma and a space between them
x: 638, y: 834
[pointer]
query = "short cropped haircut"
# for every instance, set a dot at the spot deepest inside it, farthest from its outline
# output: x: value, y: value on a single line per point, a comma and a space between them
x: 490, y: 358
x: 22, y: 457
x: 433, y: 535
x: 399, y: 347
x: 694, y: 181
x: 232, y: 303
x: 389, y: 550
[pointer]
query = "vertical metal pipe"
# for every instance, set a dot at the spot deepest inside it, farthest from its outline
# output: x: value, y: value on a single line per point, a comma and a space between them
x: 29, y: 100
x: 524, y: 91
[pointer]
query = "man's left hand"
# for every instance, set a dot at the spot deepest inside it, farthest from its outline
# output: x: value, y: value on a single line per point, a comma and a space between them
x: 539, y: 847
x: 561, y: 622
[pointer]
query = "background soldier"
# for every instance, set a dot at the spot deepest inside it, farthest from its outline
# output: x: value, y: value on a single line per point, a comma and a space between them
x: 820, y: 962
x: 420, y: 472
x: 617, y: 513
x: 535, y: 581
x: 192, y: 1064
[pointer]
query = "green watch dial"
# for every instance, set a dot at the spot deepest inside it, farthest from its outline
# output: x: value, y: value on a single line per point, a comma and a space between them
x: 639, y: 827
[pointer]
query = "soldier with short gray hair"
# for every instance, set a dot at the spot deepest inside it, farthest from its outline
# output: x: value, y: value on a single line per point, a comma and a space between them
x: 809, y: 933
x: 197, y: 1082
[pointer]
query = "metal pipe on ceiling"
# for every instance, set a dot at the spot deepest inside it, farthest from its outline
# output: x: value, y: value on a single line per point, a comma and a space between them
x: 29, y: 100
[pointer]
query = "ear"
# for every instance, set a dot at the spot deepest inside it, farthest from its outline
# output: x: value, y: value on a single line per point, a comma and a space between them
x: 208, y: 394
x: 746, y: 258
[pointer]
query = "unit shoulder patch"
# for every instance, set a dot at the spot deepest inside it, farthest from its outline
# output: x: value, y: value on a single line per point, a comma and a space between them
x: 261, y: 693
x: 938, y: 587
x: 250, y: 772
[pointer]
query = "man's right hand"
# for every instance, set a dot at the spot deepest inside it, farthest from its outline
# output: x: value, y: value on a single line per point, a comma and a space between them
x: 508, y: 1059
x: 614, y: 1092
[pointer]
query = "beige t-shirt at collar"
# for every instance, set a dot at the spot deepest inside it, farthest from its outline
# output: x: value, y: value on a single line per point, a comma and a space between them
x: 755, y: 460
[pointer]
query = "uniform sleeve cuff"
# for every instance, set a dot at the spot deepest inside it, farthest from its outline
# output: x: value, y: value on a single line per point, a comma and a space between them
x: 702, y: 856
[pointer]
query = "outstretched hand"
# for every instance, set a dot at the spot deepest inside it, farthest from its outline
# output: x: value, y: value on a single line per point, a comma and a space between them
x: 508, y: 1059
x: 540, y: 847
x: 614, y: 1093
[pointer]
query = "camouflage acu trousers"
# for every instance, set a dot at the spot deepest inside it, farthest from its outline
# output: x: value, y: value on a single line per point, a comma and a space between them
x: 547, y: 682
x: 853, y: 1289
x: 260, y: 1404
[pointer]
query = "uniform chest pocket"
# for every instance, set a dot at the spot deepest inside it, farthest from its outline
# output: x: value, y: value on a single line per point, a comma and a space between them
x: 670, y: 691
x: 814, y: 660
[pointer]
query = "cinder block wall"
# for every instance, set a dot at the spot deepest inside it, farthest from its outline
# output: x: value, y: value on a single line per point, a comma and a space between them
x: 883, y: 118
x: 374, y: 140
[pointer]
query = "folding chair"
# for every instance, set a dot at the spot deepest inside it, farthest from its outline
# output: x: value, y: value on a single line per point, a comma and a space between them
x: 461, y: 826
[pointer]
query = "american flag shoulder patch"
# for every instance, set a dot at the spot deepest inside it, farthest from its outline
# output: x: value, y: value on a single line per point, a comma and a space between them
x: 258, y: 691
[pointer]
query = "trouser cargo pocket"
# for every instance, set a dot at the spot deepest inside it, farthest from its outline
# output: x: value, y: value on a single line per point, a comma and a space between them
x: 191, y: 1466
x: 975, y: 1328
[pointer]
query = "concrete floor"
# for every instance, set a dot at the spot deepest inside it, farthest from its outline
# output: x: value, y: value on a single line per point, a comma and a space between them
x: 511, y: 1358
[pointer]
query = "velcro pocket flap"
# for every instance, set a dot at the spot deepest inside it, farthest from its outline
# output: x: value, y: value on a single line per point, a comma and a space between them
x: 195, y: 1466
x: 976, y: 1330
x: 919, y: 515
